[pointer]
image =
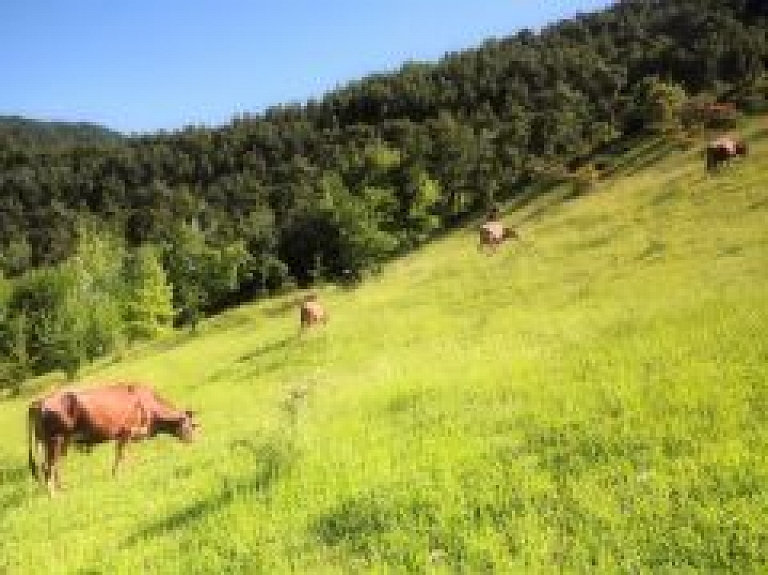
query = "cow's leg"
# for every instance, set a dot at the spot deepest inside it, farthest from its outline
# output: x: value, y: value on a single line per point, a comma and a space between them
x: 61, y: 450
x: 53, y: 449
x: 119, y: 453
x: 48, y: 464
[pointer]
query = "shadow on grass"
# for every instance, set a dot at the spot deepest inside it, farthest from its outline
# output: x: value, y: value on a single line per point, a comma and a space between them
x: 271, y: 460
x: 759, y: 134
x: 407, y: 532
x: 653, y: 250
x: 530, y: 193
x: 551, y: 196
x: 363, y: 523
x: 182, y: 336
x: 250, y: 360
x: 283, y: 307
x: 759, y: 204
x: 266, y: 348
x: 671, y: 193
x: 605, y: 236
x: 641, y: 157
x: 226, y: 321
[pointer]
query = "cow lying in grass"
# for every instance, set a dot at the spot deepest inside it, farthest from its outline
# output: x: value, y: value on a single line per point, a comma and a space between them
x: 312, y: 312
x: 493, y: 234
x: 86, y: 417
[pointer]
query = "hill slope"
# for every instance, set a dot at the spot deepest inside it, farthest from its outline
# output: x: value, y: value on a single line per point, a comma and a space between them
x: 50, y: 134
x: 416, y: 149
x: 592, y: 399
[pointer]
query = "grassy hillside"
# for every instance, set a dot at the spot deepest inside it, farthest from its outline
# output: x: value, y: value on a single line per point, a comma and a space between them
x: 595, y: 399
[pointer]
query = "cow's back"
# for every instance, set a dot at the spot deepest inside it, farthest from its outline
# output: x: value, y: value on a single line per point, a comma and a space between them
x: 156, y: 408
x: 725, y: 143
x: 492, y: 232
x: 312, y: 312
x: 101, y: 414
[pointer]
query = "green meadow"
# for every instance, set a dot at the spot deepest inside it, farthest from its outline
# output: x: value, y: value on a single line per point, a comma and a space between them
x: 591, y: 399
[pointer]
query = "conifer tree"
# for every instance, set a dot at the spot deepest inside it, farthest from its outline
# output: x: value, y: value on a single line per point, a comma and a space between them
x: 148, y: 296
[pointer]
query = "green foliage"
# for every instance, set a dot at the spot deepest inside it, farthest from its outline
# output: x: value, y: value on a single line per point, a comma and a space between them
x: 17, y: 256
x: 53, y: 134
x: 59, y: 318
x: 379, y: 157
x: 47, y: 301
x: 753, y: 97
x: 94, y: 299
x: 15, y: 364
x: 201, y: 274
x: 659, y: 105
x: 361, y: 244
x: 422, y: 196
x: 14, y: 360
x: 148, y: 301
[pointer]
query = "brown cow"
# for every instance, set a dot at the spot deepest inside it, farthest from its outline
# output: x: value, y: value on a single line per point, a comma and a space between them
x: 312, y: 312
x: 86, y: 417
x: 493, y: 233
x: 721, y: 150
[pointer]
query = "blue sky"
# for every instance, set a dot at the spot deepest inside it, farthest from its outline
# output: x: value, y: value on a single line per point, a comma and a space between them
x: 144, y: 65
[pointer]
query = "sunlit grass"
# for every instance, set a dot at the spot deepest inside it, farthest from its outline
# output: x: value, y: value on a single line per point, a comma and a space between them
x: 594, y: 399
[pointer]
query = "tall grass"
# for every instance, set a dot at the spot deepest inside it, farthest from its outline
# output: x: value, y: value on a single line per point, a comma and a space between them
x: 592, y: 400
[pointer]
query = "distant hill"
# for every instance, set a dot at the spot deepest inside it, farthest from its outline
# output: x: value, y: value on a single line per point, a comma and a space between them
x: 37, y: 133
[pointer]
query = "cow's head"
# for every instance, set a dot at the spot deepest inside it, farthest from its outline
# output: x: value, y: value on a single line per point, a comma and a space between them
x: 510, y: 234
x: 187, y: 426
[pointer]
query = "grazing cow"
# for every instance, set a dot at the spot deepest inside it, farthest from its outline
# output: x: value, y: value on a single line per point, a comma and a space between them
x: 86, y: 417
x: 312, y: 312
x: 493, y: 233
x: 722, y: 150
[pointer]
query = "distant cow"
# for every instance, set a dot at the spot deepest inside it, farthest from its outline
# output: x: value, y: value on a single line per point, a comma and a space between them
x: 493, y: 233
x: 312, y: 312
x: 722, y: 150
x: 86, y: 417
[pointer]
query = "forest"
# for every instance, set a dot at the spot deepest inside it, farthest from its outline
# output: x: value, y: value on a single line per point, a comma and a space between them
x: 109, y: 238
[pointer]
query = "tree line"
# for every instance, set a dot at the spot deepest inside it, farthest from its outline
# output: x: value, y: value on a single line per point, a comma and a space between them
x: 203, y: 217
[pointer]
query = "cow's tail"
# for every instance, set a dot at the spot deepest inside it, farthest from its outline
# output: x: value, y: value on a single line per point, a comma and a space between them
x: 33, y: 423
